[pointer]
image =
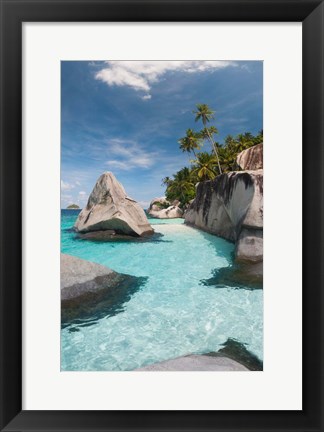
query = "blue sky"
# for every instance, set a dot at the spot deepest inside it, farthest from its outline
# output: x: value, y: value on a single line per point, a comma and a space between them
x: 127, y: 118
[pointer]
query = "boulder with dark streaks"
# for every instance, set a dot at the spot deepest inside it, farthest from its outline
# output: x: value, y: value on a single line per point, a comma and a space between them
x: 231, y: 206
x: 251, y: 158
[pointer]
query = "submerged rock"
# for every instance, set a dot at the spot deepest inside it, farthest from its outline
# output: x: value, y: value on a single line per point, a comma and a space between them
x: 109, y: 208
x: 231, y: 206
x: 90, y: 290
x: 237, y: 351
x: 80, y: 277
x: 112, y: 237
x: 106, y: 236
x: 245, y: 275
x: 195, y: 362
x: 251, y: 158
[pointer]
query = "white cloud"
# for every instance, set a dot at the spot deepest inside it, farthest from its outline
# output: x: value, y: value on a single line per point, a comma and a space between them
x: 66, y: 197
x: 66, y: 200
x: 128, y: 155
x: 140, y: 75
x: 66, y: 186
x: 82, y: 193
x: 118, y: 165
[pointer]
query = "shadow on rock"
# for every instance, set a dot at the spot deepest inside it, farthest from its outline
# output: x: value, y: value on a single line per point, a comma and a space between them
x: 239, y: 275
x: 113, y: 237
x: 86, y: 309
x: 237, y: 351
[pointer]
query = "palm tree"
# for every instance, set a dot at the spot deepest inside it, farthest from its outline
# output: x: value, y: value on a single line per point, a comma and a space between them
x: 208, y: 132
x: 244, y: 141
x: 230, y: 143
x: 190, y: 142
x: 205, y: 166
x: 227, y: 158
x: 259, y: 138
x: 181, y: 187
x: 205, y: 114
x: 166, y: 181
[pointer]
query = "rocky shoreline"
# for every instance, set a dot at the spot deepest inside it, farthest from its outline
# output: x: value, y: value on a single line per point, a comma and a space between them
x: 90, y: 291
x: 231, y: 206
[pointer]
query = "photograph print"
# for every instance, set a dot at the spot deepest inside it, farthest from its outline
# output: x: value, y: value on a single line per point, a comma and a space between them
x: 162, y: 215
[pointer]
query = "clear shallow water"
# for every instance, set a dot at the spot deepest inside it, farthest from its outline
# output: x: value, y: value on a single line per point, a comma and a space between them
x: 172, y: 313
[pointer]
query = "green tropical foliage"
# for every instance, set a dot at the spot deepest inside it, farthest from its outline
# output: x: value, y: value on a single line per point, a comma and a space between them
x: 206, y: 166
x: 205, y: 114
x: 191, y: 142
x: 161, y: 205
x: 207, y: 132
x: 166, y: 181
x: 233, y: 146
x: 181, y: 187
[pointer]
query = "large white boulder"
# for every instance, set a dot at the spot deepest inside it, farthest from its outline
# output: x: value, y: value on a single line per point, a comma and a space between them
x: 90, y: 291
x: 249, y: 246
x: 109, y: 208
x: 161, y: 208
x: 168, y: 213
x: 158, y: 203
x: 231, y: 206
x: 196, y: 362
x: 251, y: 158
x: 79, y: 277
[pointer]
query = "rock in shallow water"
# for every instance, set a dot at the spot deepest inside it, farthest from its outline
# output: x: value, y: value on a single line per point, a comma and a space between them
x: 231, y: 206
x: 79, y: 276
x: 106, y: 236
x: 91, y: 291
x: 171, y: 212
x: 237, y: 351
x: 109, y: 208
x: 234, y: 356
x: 161, y: 208
x: 159, y: 203
x: 249, y: 246
x: 243, y: 275
x: 196, y: 362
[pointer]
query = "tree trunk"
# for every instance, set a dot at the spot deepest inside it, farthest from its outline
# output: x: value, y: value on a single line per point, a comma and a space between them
x: 214, y: 147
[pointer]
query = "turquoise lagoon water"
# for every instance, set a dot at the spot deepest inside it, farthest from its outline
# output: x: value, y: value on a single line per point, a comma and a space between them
x: 171, y: 313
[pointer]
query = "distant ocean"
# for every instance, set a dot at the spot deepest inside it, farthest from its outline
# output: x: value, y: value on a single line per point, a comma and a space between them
x: 172, y: 312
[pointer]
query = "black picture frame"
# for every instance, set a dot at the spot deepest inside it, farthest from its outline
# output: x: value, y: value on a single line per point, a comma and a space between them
x: 13, y: 14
